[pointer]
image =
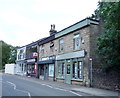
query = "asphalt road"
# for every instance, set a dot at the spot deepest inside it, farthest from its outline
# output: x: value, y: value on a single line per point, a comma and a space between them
x: 15, y: 86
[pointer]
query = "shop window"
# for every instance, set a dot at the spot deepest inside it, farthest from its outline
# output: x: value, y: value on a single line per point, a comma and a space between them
x: 77, y: 70
x: 61, y: 69
x: 76, y: 41
x: 51, y: 70
x: 61, y: 45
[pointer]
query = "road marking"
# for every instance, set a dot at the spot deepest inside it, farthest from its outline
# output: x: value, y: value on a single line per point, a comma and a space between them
x: 43, y: 84
x: 75, y: 93
x: 49, y: 86
x: 19, y: 89
x: 62, y: 89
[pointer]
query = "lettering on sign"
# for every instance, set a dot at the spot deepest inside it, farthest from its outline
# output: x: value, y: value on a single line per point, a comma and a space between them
x: 31, y: 60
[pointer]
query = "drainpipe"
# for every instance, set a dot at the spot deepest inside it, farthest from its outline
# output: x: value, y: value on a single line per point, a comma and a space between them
x: 91, y: 75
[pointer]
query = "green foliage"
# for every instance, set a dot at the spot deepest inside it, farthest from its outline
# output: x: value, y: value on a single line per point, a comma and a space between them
x: 109, y: 43
x: 8, y: 54
x: 13, y: 54
x: 5, y: 53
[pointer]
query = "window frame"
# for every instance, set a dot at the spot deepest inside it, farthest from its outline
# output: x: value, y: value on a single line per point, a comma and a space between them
x: 75, y: 39
x: 61, y: 69
x: 61, y: 45
x: 78, y: 70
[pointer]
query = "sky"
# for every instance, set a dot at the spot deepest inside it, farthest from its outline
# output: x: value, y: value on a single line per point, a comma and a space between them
x: 25, y: 21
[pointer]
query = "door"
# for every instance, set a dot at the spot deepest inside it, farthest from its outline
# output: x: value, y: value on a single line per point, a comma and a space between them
x: 46, y: 72
x: 68, y: 73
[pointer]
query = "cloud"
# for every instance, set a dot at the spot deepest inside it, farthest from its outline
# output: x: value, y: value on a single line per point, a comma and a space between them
x: 24, y: 21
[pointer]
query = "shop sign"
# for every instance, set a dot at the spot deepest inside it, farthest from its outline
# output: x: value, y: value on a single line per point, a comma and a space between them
x: 31, y: 60
x: 47, y: 58
x: 71, y: 55
x: 35, y: 54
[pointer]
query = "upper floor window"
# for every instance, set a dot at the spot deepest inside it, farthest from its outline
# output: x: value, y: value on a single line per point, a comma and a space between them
x: 61, y: 45
x: 51, y: 46
x: 76, y: 40
x: 42, y: 50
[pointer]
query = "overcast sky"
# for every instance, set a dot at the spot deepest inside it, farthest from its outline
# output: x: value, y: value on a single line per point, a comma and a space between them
x: 25, y: 21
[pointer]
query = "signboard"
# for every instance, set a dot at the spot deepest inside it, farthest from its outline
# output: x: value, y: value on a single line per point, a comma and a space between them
x: 47, y: 58
x: 35, y: 54
x: 31, y: 60
x: 71, y: 55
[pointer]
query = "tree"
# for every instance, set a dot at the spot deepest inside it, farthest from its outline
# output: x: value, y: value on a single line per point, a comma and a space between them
x: 13, y: 54
x: 108, y: 46
x: 8, y: 54
x: 5, y: 53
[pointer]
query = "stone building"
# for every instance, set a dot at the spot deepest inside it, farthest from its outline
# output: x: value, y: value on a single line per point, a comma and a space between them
x: 74, y: 49
x: 67, y: 54
x: 46, y: 58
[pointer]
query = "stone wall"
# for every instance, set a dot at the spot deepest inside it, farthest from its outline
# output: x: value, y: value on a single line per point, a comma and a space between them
x: 110, y: 80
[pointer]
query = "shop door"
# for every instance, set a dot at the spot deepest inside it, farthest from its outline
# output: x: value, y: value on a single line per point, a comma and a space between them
x: 46, y: 72
x: 68, y: 74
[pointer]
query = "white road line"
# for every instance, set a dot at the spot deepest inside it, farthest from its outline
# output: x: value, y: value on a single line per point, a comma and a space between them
x: 19, y: 89
x: 75, y: 93
x: 49, y: 86
x: 61, y: 89
x: 43, y: 84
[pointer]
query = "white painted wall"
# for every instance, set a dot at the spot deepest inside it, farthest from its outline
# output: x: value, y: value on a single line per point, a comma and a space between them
x: 10, y: 68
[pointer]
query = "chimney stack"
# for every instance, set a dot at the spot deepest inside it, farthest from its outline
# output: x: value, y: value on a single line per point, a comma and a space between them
x: 52, y: 31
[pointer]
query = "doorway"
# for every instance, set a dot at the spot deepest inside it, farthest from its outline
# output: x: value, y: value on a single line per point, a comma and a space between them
x: 68, y: 73
x: 46, y: 72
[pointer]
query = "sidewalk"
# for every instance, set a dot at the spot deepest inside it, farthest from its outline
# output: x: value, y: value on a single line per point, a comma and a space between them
x: 75, y: 88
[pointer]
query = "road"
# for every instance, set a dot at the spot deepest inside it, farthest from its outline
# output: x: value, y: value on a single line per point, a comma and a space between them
x: 15, y: 86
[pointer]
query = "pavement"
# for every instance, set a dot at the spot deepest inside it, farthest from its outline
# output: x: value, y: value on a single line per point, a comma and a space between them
x: 75, y: 88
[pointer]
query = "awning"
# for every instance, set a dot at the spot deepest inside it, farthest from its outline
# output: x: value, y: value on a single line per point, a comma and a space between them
x: 46, y: 62
x: 21, y: 61
x: 30, y: 62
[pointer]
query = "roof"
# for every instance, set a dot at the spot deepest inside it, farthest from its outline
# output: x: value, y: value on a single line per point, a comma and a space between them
x: 47, y: 39
x: 78, y: 25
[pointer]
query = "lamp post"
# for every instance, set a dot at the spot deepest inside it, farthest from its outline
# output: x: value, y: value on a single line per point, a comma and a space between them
x: 91, y: 75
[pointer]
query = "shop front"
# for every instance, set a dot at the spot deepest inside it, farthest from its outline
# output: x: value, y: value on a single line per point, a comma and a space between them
x: 31, y: 67
x: 69, y: 67
x: 21, y: 68
x: 46, y: 68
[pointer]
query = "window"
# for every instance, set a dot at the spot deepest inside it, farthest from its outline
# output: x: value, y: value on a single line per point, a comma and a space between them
x: 77, y: 70
x: 51, y: 46
x: 61, y: 69
x: 42, y: 50
x: 61, y: 45
x: 68, y: 69
x: 76, y: 40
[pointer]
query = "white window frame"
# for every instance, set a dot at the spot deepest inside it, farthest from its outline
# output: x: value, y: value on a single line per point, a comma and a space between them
x: 61, y: 45
x: 75, y: 39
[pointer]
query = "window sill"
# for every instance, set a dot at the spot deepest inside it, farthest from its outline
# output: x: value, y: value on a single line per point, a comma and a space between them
x: 77, y: 79
x: 60, y: 77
